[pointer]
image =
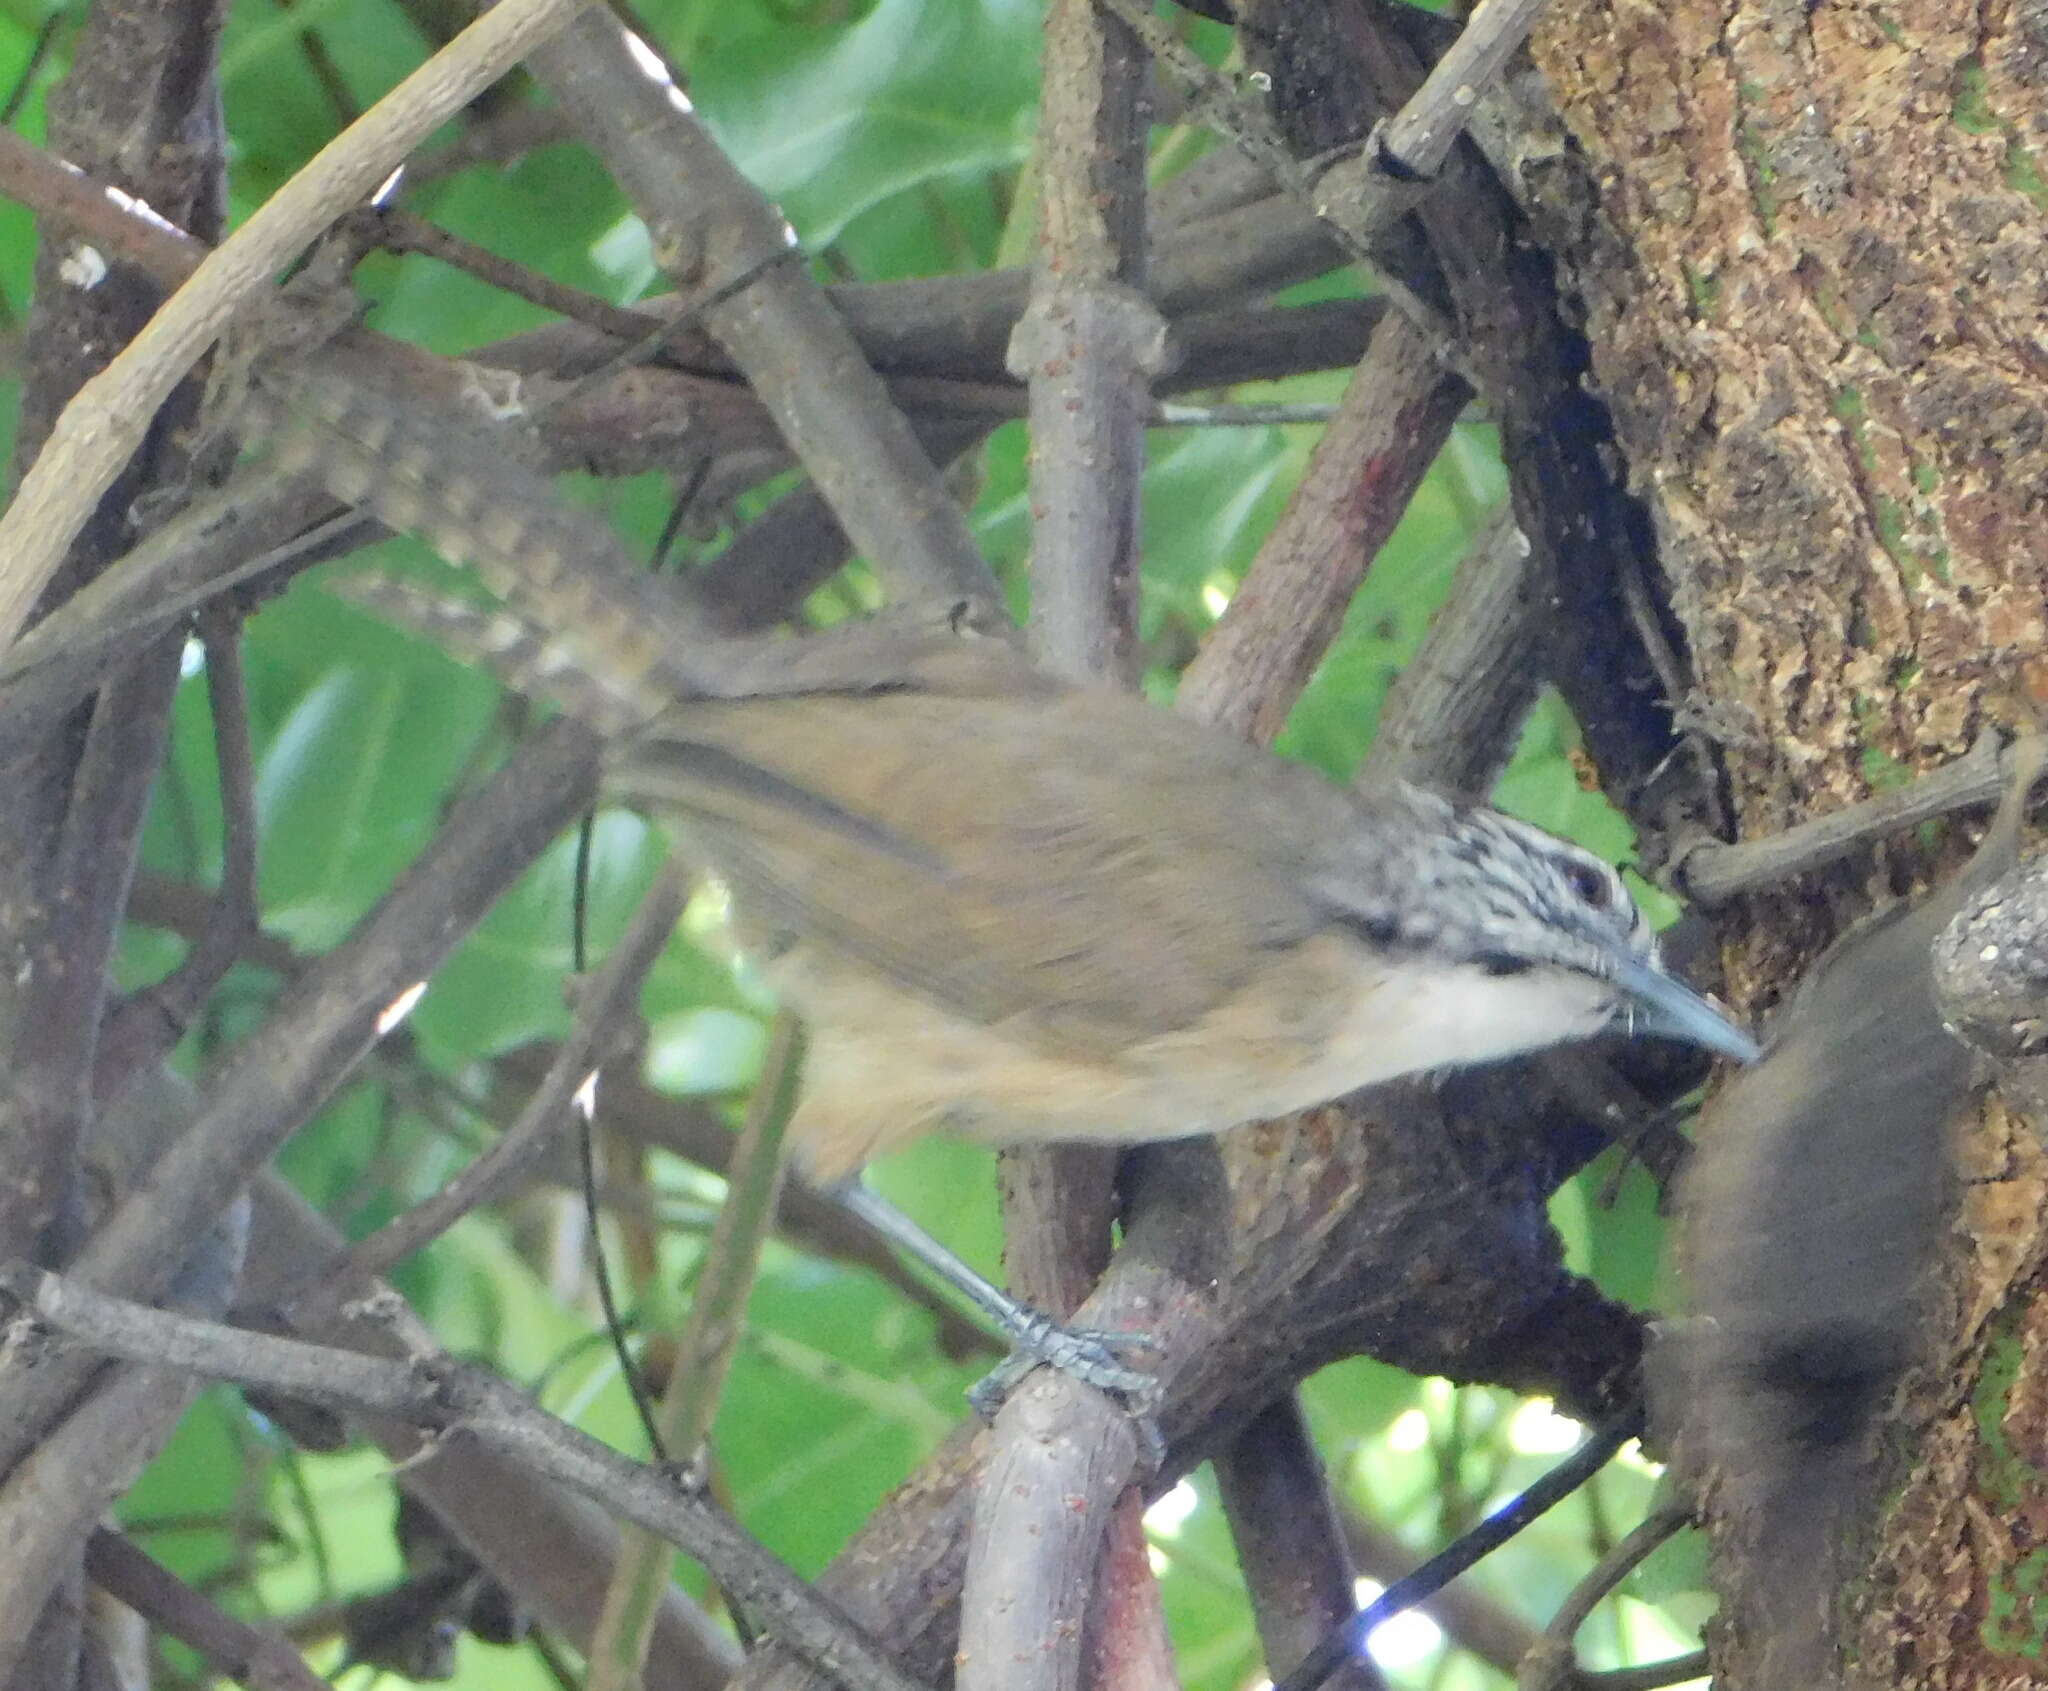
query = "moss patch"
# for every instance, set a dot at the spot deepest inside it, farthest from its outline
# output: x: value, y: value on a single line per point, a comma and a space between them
x: 2016, y: 1598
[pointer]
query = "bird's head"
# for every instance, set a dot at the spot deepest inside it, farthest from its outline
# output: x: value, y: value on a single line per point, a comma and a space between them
x: 1530, y: 928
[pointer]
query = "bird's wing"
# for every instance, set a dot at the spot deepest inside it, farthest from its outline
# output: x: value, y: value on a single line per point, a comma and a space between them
x: 1066, y: 862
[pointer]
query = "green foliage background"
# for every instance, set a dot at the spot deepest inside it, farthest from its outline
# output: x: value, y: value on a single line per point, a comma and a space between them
x: 892, y: 135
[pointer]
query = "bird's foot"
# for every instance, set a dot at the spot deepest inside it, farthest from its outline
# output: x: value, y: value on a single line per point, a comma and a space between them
x: 1093, y: 1356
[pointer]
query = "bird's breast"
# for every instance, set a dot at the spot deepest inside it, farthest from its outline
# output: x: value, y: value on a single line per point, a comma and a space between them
x: 1316, y: 1021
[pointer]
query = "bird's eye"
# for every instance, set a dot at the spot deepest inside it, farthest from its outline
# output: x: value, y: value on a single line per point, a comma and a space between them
x: 1379, y: 930
x: 1594, y: 887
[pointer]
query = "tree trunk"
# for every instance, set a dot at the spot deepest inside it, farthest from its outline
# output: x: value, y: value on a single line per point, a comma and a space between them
x: 1811, y: 242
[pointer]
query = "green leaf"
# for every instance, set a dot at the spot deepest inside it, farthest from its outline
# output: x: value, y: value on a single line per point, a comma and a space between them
x: 830, y: 121
x: 706, y: 1050
x: 339, y: 795
x: 504, y: 985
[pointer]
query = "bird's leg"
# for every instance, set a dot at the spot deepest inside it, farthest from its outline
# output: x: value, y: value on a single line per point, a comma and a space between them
x: 1092, y: 1357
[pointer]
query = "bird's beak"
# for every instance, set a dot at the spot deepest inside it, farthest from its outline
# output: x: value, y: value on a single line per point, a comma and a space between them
x: 1667, y: 1007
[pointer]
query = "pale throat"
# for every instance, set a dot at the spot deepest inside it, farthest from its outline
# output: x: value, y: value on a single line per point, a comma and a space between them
x: 1448, y: 1015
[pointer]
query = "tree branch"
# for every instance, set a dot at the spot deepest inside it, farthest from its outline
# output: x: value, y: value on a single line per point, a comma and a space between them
x: 103, y: 424
x: 714, y: 234
x: 442, y: 1396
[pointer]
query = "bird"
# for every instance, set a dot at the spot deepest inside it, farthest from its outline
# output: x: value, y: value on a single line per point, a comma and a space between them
x: 1017, y: 907
x: 1029, y: 911
x: 1014, y: 905
x: 1026, y: 911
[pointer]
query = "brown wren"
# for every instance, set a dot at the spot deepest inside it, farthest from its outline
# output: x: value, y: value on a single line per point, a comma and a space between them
x: 1030, y: 911
x: 1010, y: 906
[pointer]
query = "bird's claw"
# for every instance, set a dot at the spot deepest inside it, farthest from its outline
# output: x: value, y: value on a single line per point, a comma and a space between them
x: 1090, y: 1355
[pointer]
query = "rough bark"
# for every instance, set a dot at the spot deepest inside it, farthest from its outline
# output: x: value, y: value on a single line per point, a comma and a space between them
x: 1811, y: 248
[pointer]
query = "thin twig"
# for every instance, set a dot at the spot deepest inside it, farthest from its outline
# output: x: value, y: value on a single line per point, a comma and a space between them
x: 399, y: 231
x: 712, y: 228
x: 1396, y: 413
x: 598, y: 1033
x: 1471, y: 1620
x: 232, y: 918
x: 31, y: 67
x: 105, y: 421
x: 1349, y: 1639
x: 1550, y: 1665
x: 258, y: 1659
x: 704, y: 1349
x: 655, y: 338
x: 1244, y: 415
x: 1419, y: 137
x: 443, y: 1396
x: 1712, y: 872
